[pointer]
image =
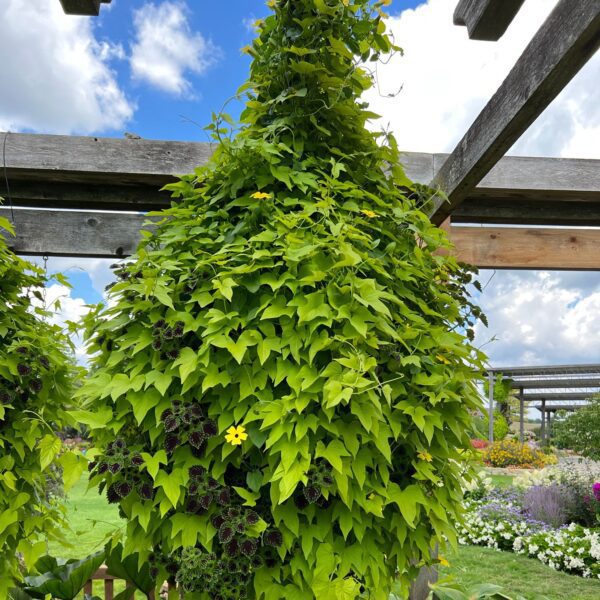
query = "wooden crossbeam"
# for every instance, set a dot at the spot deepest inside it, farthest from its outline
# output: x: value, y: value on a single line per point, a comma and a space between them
x: 74, y: 233
x: 554, y: 397
x: 120, y: 174
x: 527, y: 248
x: 89, y: 8
x: 486, y: 19
x: 555, y: 383
x: 116, y: 234
x: 564, y: 43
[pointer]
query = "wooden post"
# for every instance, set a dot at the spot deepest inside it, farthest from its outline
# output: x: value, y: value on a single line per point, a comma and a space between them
x: 491, y: 405
x: 521, y: 411
x: 565, y: 42
x: 543, y: 430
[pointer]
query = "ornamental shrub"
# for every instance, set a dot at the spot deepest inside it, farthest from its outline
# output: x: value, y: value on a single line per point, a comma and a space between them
x: 36, y: 376
x: 509, y: 453
x: 580, y: 431
x: 281, y: 392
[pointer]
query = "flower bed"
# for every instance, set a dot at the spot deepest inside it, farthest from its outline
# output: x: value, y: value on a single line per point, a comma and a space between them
x: 509, y: 453
x: 543, y: 516
x: 574, y: 549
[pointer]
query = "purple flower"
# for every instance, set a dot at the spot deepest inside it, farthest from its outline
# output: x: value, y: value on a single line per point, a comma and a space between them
x: 596, y: 489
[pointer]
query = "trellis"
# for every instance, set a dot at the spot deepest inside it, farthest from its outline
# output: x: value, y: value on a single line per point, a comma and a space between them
x: 557, y: 387
x: 545, y: 206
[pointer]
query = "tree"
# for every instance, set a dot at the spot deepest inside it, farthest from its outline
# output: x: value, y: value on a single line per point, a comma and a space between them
x: 580, y: 431
x: 281, y: 396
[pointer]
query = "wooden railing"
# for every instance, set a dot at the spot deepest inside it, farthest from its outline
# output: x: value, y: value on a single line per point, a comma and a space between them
x: 109, y: 585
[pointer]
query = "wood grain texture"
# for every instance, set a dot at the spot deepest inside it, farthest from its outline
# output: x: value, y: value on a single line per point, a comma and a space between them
x: 527, y: 248
x: 74, y: 233
x: 486, y: 19
x: 121, y: 174
x: 527, y: 211
x: 564, y: 43
x: 116, y: 234
x: 101, y: 160
x: 52, y: 194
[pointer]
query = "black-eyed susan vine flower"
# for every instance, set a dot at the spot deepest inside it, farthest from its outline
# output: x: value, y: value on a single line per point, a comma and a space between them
x: 236, y: 435
x: 425, y: 456
x: 369, y: 213
x: 261, y: 196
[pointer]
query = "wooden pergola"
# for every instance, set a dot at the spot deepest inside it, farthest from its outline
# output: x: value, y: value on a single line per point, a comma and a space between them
x: 501, y: 212
x: 555, y: 387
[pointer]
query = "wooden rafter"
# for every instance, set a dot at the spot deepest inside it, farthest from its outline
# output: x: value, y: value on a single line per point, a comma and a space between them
x: 121, y: 174
x: 105, y: 180
x: 107, y: 234
x: 527, y: 248
x: 89, y: 8
x: 564, y: 43
x: 486, y: 19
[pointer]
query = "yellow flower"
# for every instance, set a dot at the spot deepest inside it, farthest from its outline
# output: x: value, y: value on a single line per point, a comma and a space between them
x: 236, y: 435
x: 368, y: 213
x: 443, y: 561
x: 261, y: 195
x: 425, y: 456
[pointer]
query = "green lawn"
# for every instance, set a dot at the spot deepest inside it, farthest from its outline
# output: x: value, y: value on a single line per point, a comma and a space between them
x: 92, y: 519
x: 518, y: 575
x: 500, y: 480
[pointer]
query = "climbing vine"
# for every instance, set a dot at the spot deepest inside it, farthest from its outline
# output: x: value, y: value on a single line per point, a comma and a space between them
x: 283, y: 379
x: 36, y: 381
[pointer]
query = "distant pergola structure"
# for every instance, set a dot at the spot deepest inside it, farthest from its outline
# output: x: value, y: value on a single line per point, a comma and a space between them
x: 559, y: 387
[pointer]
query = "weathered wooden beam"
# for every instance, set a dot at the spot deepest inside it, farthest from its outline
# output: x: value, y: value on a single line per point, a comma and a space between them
x: 509, y: 211
x: 564, y: 43
x: 89, y: 8
x: 121, y: 174
x: 527, y: 248
x: 114, y: 234
x: 486, y: 19
x: 105, y: 161
x: 74, y: 233
x: 555, y: 383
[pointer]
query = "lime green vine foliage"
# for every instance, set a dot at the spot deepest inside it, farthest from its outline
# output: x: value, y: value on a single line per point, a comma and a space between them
x: 282, y: 387
x: 36, y: 374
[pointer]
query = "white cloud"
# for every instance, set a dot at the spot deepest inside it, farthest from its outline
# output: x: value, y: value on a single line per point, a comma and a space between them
x: 166, y: 49
x: 448, y: 78
x: 56, y: 76
x: 540, y: 317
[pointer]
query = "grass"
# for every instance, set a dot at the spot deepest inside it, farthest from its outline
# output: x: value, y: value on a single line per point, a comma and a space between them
x: 92, y: 519
x: 501, y: 480
x: 517, y: 575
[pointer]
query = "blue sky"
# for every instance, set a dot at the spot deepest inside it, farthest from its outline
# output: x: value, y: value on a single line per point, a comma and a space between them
x: 226, y: 26
x: 151, y: 66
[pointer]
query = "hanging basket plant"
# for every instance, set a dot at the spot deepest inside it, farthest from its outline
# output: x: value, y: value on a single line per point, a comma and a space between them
x: 283, y: 379
x: 36, y: 387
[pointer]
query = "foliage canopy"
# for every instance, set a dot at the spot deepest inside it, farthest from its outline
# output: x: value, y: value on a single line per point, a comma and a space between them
x: 580, y: 431
x: 295, y: 295
x: 36, y: 381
